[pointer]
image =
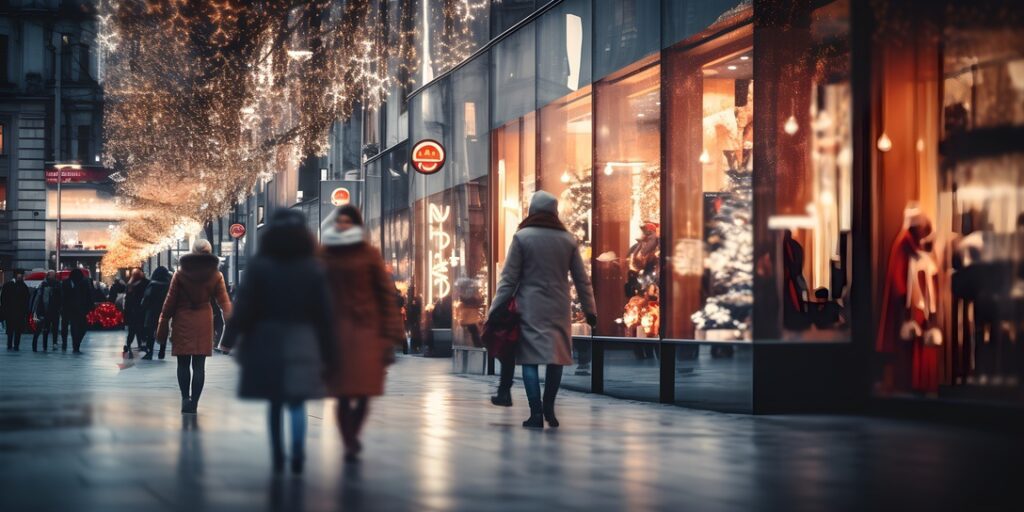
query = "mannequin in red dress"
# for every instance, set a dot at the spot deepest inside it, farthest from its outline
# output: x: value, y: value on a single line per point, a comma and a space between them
x: 896, y: 326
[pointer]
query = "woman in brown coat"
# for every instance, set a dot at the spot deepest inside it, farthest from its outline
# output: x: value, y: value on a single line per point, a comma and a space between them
x: 367, y: 321
x: 188, y: 316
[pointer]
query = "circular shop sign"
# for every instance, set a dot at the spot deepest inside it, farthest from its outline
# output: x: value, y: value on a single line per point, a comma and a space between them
x: 428, y: 156
x: 341, y: 196
x: 237, y: 230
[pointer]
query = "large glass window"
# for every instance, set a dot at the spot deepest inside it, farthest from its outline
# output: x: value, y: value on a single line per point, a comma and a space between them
x: 564, y: 65
x: 684, y: 18
x: 514, y: 174
x: 513, y: 77
x: 949, y: 212
x: 626, y: 31
x: 505, y: 13
x: 627, y: 213
x: 565, y: 161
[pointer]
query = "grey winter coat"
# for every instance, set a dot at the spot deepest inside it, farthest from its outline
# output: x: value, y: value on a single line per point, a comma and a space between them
x: 536, y: 270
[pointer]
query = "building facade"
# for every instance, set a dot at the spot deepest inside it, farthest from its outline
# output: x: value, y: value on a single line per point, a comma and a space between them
x: 51, y: 109
x: 784, y: 205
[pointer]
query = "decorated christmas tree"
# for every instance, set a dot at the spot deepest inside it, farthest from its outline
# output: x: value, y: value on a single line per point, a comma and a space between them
x: 575, y: 204
x: 729, y: 262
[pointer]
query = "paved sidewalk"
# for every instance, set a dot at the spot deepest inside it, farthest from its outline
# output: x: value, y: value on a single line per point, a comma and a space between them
x: 82, y: 434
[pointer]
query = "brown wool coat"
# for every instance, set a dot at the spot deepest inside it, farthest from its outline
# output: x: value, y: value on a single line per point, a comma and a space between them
x: 187, y: 313
x: 367, y: 320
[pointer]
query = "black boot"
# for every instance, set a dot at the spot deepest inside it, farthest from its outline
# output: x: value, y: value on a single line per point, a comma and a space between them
x: 297, y: 465
x: 162, y: 347
x: 536, y: 419
x: 552, y: 381
x: 126, y: 352
x: 278, y: 463
x: 549, y: 414
x: 186, y: 406
x: 503, y: 398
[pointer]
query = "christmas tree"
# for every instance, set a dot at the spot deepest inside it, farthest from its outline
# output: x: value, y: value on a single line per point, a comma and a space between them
x: 574, y: 205
x: 729, y: 264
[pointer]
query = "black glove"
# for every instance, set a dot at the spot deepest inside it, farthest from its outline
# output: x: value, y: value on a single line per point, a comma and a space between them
x: 591, y: 320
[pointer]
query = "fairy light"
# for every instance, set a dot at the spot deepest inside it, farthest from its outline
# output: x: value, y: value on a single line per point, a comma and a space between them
x: 205, y: 99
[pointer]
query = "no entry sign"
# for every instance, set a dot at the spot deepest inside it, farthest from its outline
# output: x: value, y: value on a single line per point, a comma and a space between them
x: 236, y: 230
x: 341, y: 196
x: 428, y: 156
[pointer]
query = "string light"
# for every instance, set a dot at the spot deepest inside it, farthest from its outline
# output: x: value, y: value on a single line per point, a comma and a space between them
x: 205, y: 99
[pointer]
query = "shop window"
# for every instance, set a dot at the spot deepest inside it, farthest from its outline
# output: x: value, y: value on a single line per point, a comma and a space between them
x: 514, y: 171
x: 84, y: 154
x: 710, y: 160
x: 3, y: 140
x: 626, y: 246
x: 949, y: 218
x: 565, y: 160
x: 682, y: 19
x: 3, y: 194
x: 626, y: 31
x: 513, y: 77
x: 564, y: 66
x: 506, y: 13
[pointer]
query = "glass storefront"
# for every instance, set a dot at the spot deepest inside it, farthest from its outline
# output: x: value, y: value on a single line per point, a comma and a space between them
x: 712, y: 165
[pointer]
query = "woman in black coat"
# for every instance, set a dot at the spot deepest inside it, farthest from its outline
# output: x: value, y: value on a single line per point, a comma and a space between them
x: 150, y: 307
x: 133, y: 315
x: 14, y: 298
x: 283, y: 328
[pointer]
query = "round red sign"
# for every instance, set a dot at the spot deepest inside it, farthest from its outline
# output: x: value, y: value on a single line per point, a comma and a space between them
x: 341, y: 196
x: 237, y: 230
x: 428, y: 156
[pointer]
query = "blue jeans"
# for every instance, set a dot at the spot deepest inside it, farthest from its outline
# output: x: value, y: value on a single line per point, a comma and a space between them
x: 531, y: 380
x: 297, y: 411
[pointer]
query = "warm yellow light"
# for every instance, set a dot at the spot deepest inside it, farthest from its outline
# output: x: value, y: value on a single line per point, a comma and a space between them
x: 566, y: 177
x: 884, y: 143
x: 705, y: 158
x: 791, y: 126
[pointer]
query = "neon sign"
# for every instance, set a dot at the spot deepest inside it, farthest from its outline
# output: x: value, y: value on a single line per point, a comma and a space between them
x: 439, y: 242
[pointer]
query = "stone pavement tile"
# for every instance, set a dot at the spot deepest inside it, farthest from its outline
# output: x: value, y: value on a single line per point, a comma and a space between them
x: 83, y: 433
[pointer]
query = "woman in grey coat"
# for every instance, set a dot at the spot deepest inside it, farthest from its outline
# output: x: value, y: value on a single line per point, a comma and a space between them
x: 541, y: 257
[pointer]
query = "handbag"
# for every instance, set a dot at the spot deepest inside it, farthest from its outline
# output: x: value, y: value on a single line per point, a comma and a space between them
x: 502, y: 332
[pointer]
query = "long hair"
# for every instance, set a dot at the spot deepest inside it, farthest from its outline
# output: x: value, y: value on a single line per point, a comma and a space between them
x: 287, y: 237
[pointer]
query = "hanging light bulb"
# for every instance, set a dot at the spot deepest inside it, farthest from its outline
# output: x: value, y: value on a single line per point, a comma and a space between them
x: 565, y: 177
x: 791, y: 126
x: 705, y: 158
x: 608, y: 169
x: 884, y: 143
x: 920, y: 145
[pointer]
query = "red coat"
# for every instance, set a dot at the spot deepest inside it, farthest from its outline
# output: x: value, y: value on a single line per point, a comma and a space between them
x: 894, y: 296
x: 187, y: 313
x: 368, y: 324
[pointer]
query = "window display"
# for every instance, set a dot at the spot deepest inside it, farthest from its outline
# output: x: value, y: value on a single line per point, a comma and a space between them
x: 514, y: 174
x: 627, y: 212
x: 950, y: 225
x: 566, y: 143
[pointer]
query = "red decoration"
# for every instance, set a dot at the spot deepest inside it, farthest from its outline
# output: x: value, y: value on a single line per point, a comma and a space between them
x: 105, y: 316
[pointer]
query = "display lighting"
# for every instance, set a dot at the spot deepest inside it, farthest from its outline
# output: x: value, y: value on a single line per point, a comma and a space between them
x: 566, y: 177
x: 884, y: 143
x: 791, y: 126
x: 705, y: 157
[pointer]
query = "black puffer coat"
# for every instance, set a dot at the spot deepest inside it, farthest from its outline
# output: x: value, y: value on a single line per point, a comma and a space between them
x: 282, y: 339
x: 153, y: 298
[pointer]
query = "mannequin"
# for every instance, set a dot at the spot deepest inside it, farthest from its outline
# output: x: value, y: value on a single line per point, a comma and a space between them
x: 909, y: 301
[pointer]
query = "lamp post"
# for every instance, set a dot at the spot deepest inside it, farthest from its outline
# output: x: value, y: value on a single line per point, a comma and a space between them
x: 60, y: 178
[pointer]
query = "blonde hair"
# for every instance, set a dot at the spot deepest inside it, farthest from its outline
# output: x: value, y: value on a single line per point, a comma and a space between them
x: 202, y: 246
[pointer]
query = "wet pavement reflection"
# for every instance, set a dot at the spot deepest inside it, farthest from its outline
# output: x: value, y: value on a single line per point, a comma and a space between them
x: 88, y: 433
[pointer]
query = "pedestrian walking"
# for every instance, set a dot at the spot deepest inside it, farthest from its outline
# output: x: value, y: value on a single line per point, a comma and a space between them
x: 134, y: 317
x: 76, y: 303
x: 46, y: 310
x: 152, y: 303
x: 368, y: 326
x: 283, y: 339
x: 14, y: 308
x: 540, y: 257
x: 187, y: 318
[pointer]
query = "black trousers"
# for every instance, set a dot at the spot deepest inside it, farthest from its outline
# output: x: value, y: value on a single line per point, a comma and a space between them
x: 77, y: 327
x: 14, y: 336
x: 47, y: 326
x: 508, y: 373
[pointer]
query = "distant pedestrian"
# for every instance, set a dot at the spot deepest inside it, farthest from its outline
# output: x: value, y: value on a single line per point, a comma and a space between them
x: 134, y: 317
x: 368, y: 326
x: 76, y: 303
x: 283, y: 328
x: 188, y: 318
x: 46, y: 310
x: 14, y: 307
x: 152, y: 303
x: 116, y: 289
x: 542, y: 254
